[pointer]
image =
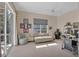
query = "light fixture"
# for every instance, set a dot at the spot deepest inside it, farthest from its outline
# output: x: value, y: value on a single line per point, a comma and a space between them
x: 53, y: 10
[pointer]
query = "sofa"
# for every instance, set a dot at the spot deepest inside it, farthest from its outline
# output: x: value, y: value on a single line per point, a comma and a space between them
x: 42, y: 38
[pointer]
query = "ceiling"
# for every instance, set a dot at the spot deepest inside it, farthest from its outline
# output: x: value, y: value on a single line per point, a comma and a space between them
x: 46, y: 8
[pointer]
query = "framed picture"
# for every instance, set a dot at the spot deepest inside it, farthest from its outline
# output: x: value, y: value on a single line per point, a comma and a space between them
x: 25, y: 21
x: 22, y: 25
x: 50, y: 28
x: 29, y: 26
x: 25, y: 30
x: 26, y: 26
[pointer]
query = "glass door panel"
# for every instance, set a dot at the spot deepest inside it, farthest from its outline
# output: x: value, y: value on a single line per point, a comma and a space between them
x: 9, y: 28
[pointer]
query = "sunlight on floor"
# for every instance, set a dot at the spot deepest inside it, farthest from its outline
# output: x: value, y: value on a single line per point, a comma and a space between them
x: 41, y: 46
x: 46, y: 45
x: 2, y: 52
x: 52, y: 44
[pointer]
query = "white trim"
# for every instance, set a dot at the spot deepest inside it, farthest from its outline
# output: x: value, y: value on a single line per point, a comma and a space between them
x: 40, y: 29
x: 15, y: 31
x: 47, y: 28
x: 5, y: 30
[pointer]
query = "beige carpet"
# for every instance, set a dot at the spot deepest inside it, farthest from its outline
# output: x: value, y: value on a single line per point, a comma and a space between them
x: 48, y: 49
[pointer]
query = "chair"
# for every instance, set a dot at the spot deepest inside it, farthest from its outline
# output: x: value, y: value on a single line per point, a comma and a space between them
x: 22, y: 39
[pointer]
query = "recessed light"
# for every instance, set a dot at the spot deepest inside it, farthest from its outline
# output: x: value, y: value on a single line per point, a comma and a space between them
x: 53, y: 10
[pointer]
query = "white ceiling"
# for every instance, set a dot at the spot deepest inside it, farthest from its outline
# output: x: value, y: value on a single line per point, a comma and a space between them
x: 46, y: 7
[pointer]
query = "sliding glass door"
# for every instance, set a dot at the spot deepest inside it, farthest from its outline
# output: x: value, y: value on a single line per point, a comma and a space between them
x: 6, y: 29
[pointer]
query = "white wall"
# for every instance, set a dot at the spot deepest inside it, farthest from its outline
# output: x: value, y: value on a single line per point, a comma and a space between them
x: 52, y: 20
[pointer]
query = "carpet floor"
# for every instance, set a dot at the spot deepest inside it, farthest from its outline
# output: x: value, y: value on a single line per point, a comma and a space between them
x: 48, y: 49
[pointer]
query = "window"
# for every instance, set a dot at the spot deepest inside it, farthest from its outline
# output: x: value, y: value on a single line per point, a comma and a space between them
x: 40, y: 26
x: 36, y: 28
x: 43, y: 28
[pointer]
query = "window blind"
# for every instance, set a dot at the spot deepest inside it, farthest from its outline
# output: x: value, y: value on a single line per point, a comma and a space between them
x: 40, y: 21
